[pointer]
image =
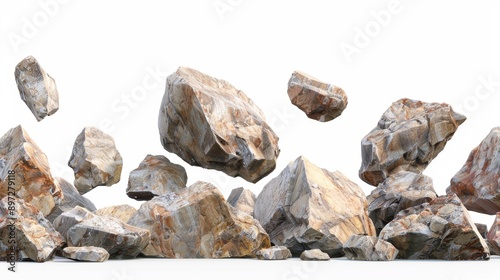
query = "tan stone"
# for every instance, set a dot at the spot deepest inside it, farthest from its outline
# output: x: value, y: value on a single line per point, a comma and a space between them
x: 242, y: 199
x: 121, y: 212
x: 86, y: 254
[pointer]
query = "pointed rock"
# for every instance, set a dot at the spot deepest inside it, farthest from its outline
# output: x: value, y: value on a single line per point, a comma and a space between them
x: 86, y: 254
x: 274, y: 253
x: 242, y: 199
x: 494, y: 235
x: 314, y: 255
x: 121, y: 212
x: 369, y: 248
x: 71, y: 199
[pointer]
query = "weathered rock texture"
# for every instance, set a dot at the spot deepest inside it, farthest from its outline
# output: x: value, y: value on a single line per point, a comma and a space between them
x: 320, y: 101
x: 409, y: 135
x: 242, y: 199
x: 95, y: 160
x: 494, y: 235
x: 369, y: 248
x: 38, y: 89
x: 307, y: 207
x: 274, y: 253
x: 71, y: 199
x: 87, y: 254
x: 121, y: 212
x: 197, y: 222
x: 209, y: 123
x: 314, y: 255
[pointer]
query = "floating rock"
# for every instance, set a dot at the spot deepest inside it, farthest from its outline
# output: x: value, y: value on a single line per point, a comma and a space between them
x: 121, y: 212
x: 274, y: 253
x: 242, y: 199
x: 87, y: 254
x: 482, y: 229
x: 38, y: 89
x: 494, y: 235
x: 209, y: 123
x: 95, y: 160
x: 441, y: 229
x: 71, y: 199
x: 369, y: 248
x: 307, y: 207
x: 314, y: 255
x: 156, y: 175
x: 320, y: 101
x: 409, y: 135
x: 196, y: 222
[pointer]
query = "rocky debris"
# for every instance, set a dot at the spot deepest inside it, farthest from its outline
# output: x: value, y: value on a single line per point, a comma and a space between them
x: 121, y: 212
x: 320, y: 101
x: 196, y: 222
x: 95, y: 160
x: 369, y: 248
x: 409, y: 135
x: 441, y: 229
x: 398, y: 192
x: 38, y: 89
x: 71, y: 199
x: 307, y: 207
x: 209, y: 123
x: 494, y: 235
x: 274, y: 253
x: 242, y: 199
x: 32, y: 180
x: 82, y: 228
x: 87, y: 254
x: 482, y: 229
x: 156, y: 175
x: 314, y: 255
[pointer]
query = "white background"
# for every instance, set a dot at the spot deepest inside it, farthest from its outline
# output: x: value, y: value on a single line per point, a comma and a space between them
x: 101, y: 53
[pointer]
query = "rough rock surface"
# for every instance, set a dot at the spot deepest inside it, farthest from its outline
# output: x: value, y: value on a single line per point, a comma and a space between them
x: 242, y: 199
x: 314, y: 255
x: 87, y: 254
x: 409, y: 135
x: 369, y: 248
x: 494, y: 235
x: 95, y: 160
x: 441, y: 229
x: 320, y: 101
x: 38, y: 89
x: 156, y: 175
x: 307, y: 207
x: 196, y: 222
x: 274, y: 253
x: 209, y: 123
x: 121, y: 212
x: 71, y: 199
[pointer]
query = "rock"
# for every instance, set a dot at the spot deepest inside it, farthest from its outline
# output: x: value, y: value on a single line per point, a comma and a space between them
x: 38, y: 89
x: 156, y: 175
x: 441, y: 229
x: 320, y: 101
x: 32, y: 180
x: 409, y: 135
x: 314, y: 255
x: 95, y: 160
x: 87, y: 254
x: 369, y: 248
x: 82, y: 228
x: 121, y: 212
x: 209, y: 123
x: 242, y: 199
x: 71, y: 199
x: 307, y: 207
x: 482, y: 229
x: 398, y: 192
x: 274, y: 253
x: 494, y: 235
x: 196, y: 222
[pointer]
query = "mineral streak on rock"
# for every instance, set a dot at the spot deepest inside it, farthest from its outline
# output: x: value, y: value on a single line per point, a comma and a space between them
x: 86, y: 254
x: 71, y: 199
x: 314, y: 255
x: 242, y: 199
x: 274, y: 253
x: 494, y: 235
x: 369, y: 248
x: 121, y: 212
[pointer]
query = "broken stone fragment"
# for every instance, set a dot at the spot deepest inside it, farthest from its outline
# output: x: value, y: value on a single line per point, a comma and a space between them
x: 209, y: 123
x: 121, y: 212
x: 314, y: 255
x: 156, y: 175
x: 71, y: 199
x: 409, y: 135
x: 38, y: 89
x: 274, y: 253
x: 86, y: 254
x: 369, y: 248
x: 494, y: 235
x: 242, y: 199
x: 320, y: 101
x: 95, y: 160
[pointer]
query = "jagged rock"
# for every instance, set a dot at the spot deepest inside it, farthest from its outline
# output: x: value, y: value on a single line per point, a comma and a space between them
x: 369, y: 248
x: 274, y: 253
x: 441, y: 229
x: 196, y: 222
x: 209, y: 123
x: 71, y: 199
x: 87, y: 254
x: 482, y: 229
x: 398, y: 192
x: 494, y: 235
x: 409, y: 135
x: 32, y: 180
x: 314, y: 255
x: 35, y: 237
x: 38, y: 90
x: 320, y: 101
x: 156, y: 175
x: 242, y: 199
x: 121, y: 212
x: 95, y: 160
x: 307, y: 207
x: 82, y: 228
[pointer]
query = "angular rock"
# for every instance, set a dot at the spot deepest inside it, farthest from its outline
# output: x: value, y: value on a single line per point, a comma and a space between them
x: 196, y: 222
x: 441, y: 229
x: 409, y: 135
x: 71, y: 199
x: 95, y: 160
x: 369, y: 248
x: 82, y: 228
x: 320, y: 101
x: 314, y: 255
x: 242, y: 199
x: 121, y: 212
x: 32, y: 180
x: 86, y: 254
x: 482, y: 229
x: 209, y: 123
x: 274, y: 253
x: 155, y: 176
x: 494, y: 235
x: 38, y: 90
x: 307, y: 207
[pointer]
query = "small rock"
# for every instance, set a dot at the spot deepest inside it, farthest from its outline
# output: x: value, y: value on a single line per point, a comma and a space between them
x: 242, y: 199
x: 274, y: 253
x: 87, y: 254
x: 494, y: 235
x: 71, y: 199
x: 121, y: 212
x: 314, y: 255
x: 369, y: 248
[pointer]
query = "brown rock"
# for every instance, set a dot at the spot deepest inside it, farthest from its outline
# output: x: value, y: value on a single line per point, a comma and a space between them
x: 314, y: 255
x: 494, y: 235
x: 242, y: 199
x: 86, y: 254
x: 274, y: 253
x: 71, y: 199
x: 121, y: 212
x: 369, y: 248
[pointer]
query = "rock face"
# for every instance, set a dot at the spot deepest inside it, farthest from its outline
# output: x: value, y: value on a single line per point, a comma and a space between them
x: 409, y: 135
x: 320, y: 101
x: 196, y: 222
x: 242, y: 199
x: 156, y: 175
x: 494, y: 235
x: 209, y: 123
x: 95, y: 160
x: 369, y: 248
x: 82, y: 228
x: 86, y: 254
x: 71, y: 199
x: 314, y: 255
x: 274, y: 253
x: 441, y: 229
x: 32, y: 180
x: 477, y: 183
x: 121, y: 212
x: 307, y: 207
x: 38, y: 89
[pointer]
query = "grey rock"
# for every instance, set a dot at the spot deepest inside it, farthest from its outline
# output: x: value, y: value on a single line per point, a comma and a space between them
x: 369, y: 248
x: 314, y: 255
x: 493, y: 236
x: 242, y: 199
x: 87, y: 254
x: 482, y: 229
x: 71, y: 199
x: 274, y: 253
x: 121, y: 212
